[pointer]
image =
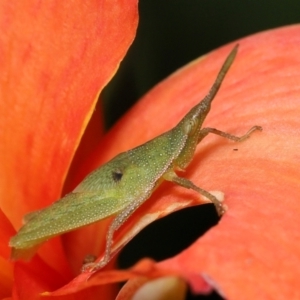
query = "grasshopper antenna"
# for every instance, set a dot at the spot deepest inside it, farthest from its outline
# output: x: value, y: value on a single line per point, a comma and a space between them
x: 217, y: 84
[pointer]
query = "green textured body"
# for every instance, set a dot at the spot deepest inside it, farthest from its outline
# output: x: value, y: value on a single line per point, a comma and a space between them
x: 125, y: 182
x: 130, y: 176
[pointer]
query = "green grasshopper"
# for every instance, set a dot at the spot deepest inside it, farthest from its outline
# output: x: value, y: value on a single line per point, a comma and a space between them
x: 121, y: 185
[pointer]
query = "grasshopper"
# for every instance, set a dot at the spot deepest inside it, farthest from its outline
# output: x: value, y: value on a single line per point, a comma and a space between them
x: 120, y: 186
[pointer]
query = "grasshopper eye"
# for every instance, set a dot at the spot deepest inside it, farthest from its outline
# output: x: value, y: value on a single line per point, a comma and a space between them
x: 190, y: 126
x: 117, y: 175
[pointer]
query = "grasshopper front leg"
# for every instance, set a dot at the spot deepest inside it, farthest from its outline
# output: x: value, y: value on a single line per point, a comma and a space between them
x: 172, y: 176
x: 205, y: 131
x: 117, y: 222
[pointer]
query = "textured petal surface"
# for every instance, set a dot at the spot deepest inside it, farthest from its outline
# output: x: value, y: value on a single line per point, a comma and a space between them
x: 55, y: 58
x: 145, y: 267
x: 254, y: 251
x: 6, y: 272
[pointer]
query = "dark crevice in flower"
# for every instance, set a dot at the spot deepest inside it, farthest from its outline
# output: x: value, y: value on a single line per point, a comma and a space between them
x: 212, y: 296
x: 170, y: 235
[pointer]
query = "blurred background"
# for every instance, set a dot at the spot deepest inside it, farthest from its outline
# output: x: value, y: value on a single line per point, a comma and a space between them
x: 170, y: 34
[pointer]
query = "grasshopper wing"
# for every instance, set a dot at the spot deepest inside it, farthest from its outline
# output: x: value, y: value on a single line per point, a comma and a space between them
x: 71, y: 212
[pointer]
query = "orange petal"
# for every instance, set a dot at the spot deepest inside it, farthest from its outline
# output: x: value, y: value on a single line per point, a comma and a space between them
x: 145, y: 267
x: 31, y: 282
x: 6, y: 273
x: 55, y: 58
x: 254, y: 250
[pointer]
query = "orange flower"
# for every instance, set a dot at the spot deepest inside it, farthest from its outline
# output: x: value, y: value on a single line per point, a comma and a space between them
x: 254, y: 250
x: 55, y: 57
